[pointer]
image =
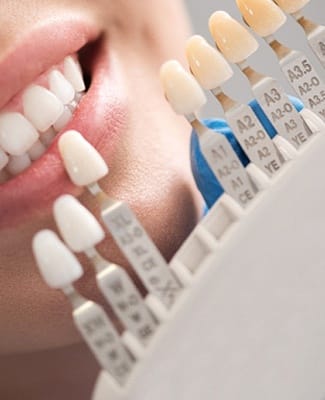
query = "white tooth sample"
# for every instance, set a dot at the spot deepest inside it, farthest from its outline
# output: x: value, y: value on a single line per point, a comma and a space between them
x: 206, y: 63
x: 17, y: 134
x: 61, y: 87
x: 3, y: 159
x: 37, y: 150
x: 181, y: 89
x: 41, y: 107
x: 73, y: 73
x: 263, y: 16
x: 77, y: 225
x: 18, y: 164
x: 291, y: 6
x: 82, y: 161
x: 48, y: 136
x: 57, y: 264
x: 234, y: 41
x: 63, y: 120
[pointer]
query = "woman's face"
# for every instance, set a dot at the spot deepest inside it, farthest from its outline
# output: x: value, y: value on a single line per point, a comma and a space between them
x: 123, y: 114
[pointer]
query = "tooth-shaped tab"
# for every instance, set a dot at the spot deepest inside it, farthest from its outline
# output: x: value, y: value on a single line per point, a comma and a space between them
x: 37, y: 150
x: 58, y: 266
x: 63, y: 120
x: 18, y: 164
x: 77, y: 225
x: 41, y: 107
x: 61, y: 87
x: 291, y: 6
x: 263, y: 16
x: 3, y: 159
x: 73, y: 74
x: 181, y: 89
x: 207, y: 65
x: 234, y: 41
x: 82, y: 161
x: 17, y: 134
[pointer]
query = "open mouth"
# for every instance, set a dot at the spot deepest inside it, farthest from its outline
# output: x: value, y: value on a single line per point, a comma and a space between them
x: 77, y: 87
x: 32, y: 119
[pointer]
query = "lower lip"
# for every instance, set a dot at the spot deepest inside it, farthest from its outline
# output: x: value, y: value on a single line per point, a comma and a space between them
x: 100, y: 117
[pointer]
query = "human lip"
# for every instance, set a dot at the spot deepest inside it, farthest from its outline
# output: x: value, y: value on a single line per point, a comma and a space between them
x: 100, y: 116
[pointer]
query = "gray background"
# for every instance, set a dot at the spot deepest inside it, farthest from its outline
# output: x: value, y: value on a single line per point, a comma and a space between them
x: 264, y: 60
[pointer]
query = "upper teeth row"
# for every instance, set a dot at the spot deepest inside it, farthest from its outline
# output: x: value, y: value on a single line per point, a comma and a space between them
x: 25, y: 136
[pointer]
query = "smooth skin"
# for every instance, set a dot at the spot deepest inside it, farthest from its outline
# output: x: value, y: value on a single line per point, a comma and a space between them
x: 41, y: 354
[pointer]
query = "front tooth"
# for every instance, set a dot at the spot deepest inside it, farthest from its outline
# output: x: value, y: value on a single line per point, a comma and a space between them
x: 73, y: 74
x: 3, y: 159
x: 48, y: 136
x: 36, y: 151
x: 181, y: 89
x: 61, y: 87
x: 82, y: 161
x: 234, y: 41
x: 77, y: 225
x: 63, y: 120
x: 292, y: 6
x: 17, y: 164
x: 17, y: 134
x: 207, y: 64
x: 263, y: 16
x: 41, y: 107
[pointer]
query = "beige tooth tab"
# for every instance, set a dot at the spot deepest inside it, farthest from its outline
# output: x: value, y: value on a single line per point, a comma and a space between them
x: 181, y: 89
x: 17, y: 134
x: 82, y: 161
x: 41, y: 107
x: 234, y: 41
x: 263, y: 16
x: 18, y: 164
x: 206, y: 63
x: 291, y: 6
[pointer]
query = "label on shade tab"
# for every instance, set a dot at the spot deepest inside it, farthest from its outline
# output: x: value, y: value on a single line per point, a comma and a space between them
x: 254, y: 140
x: 281, y: 112
x: 142, y: 253
x: 305, y: 80
x: 227, y: 167
x: 317, y: 42
x: 104, y: 341
x: 126, y: 301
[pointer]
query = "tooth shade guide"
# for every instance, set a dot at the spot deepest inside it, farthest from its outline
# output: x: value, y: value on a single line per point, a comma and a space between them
x: 263, y: 16
x: 221, y: 157
x: 234, y: 41
x: 292, y: 6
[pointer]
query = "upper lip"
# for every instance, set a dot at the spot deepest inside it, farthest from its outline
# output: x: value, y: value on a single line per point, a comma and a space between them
x: 42, y: 47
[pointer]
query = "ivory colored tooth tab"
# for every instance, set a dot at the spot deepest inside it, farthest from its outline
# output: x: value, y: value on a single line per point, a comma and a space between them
x: 207, y: 65
x: 73, y: 74
x: 291, y: 6
x: 77, y: 225
x: 41, y: 107
x: 82, y: 161
x: 234, y: 41
x: 57, y: 264
x: 17, y: 134
x: 263, y: 16
x: 181, y: 89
